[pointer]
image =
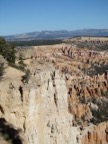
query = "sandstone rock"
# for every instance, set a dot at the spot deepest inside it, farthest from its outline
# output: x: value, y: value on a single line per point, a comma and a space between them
x: 42, y: 120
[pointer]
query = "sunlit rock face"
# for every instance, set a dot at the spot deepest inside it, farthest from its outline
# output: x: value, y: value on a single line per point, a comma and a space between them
x: 96, y: 134
x: 40, y: 109
x: 64, y: 101
x: 49, y: 120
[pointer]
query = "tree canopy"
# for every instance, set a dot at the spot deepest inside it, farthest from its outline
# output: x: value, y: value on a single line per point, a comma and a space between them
x: 7, y: 50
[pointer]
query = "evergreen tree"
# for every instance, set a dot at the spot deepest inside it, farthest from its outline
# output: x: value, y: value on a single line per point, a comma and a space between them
x: 21, y: 63
x: 7, y: 50
x: 1, y: 69
x: 26, y: 77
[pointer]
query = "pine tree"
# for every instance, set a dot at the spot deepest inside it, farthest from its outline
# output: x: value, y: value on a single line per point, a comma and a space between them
x: 7, y: 50
x: 1, y: 70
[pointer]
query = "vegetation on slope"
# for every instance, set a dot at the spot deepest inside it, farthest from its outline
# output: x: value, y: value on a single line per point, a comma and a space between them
x: 7, y: 50
x: 36, y: 42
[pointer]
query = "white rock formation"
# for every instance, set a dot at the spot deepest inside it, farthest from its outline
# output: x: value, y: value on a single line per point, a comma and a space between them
x: 40, y: 110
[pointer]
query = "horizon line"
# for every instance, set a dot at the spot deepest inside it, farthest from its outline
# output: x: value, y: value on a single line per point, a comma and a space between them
x: 55, y: 30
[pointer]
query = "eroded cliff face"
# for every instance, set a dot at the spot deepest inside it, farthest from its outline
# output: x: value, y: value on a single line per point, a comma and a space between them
x: 39, y: 109
x: 95, y: 134
x: 64, y: 101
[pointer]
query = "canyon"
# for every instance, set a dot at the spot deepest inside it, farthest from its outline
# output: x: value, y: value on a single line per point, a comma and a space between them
x: 65, y: 98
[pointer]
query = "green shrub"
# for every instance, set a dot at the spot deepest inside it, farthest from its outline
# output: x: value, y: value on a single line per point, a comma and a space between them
x: 101, y: 114
x: 1, y: 70
x: 26, y: 77
x: 21, y: 63
x: 7, y: 50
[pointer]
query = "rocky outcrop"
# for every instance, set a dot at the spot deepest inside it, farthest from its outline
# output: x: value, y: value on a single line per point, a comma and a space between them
x: 39, y: 109
x: 64, y: 100
x: 95, y: 134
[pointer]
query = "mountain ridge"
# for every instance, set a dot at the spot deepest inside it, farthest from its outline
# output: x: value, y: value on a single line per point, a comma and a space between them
x: 58, y: 34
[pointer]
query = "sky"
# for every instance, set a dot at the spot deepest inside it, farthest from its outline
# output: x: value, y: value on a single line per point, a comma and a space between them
x: 21, y: 16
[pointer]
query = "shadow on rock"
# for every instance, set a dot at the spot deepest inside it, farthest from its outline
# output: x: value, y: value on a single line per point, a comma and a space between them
x: 9, y: 133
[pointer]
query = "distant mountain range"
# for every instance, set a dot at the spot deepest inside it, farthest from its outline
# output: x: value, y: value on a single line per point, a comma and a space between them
x: 57, y: 34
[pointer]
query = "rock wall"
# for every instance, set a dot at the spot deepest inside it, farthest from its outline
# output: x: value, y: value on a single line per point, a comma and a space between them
x: 96, y: 134
x: 39, y: 109
x: 64, y: 101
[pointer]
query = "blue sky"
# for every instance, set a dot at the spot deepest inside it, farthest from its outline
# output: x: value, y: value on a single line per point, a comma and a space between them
x: 20, y: 16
